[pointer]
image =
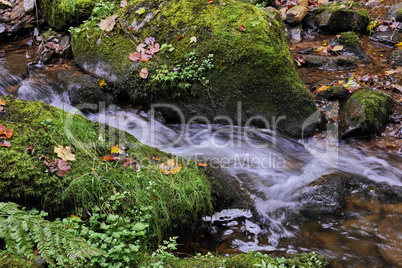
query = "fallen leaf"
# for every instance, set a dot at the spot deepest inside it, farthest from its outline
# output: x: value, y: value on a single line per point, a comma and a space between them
x: 2, y: 102
x: 242, y: 28
x: 144, y: 73
x: 63, y: 167
x: 155, y: 157
x: 149, y: 40
x: 102, y: 83
x: 130, y: 163
x: 123, y: 3
x: 202, y: 164
x: 108, y: 23
x: 30, y: 150
x: 64, y: 153
x: 193, y: 39
x: 5, y: 132
x: 4, y: 144
x: 154, y: 198
x: 136, y: 56
x: 140, y: 11
x: 145, y: 56
x: 337, y: 48
x: 110, y: 157
x: 116, y: 150
x: 169, y: 167
x: 154, y: 48
x: 1, y: 108
x: 179, y: 37
x: 322, y: 88
x: 210, y: 1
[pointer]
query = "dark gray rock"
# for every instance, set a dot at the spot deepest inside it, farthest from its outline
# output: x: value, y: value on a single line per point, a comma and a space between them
x: 334, y: 93
x: 331, y: 63
x: 324, y: 196
x: 395, y: 11
x: 396, y: 56
x: 386, y: 38
x: 365, y: 113
x: 83, y: 90
x: 351, y: 45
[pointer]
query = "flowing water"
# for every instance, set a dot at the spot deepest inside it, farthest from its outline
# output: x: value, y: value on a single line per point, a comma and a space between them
x: 275, y: 173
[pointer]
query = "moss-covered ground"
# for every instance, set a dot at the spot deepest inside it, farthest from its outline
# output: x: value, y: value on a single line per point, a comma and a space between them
x: 173, y: 199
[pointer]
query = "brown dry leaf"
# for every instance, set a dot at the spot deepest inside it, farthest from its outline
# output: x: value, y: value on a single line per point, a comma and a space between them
x: 169, y: 167
x: 337, y: 48
x: 145, y: 56
x: 110, y: 157
x: 4, y: 144
x: 154, y: 48
x: 144, y: 73
x: 64, y: 153
x: 108, y: 23
x: 5, y: 132
x: 136, y: 56
x: 130, y: 163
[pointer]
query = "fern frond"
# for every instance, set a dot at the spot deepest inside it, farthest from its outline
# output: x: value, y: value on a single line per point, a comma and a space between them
x: 22, y: 231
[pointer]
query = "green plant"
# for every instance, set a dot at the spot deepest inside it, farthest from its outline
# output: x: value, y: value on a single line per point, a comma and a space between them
x: 119, y: 233
x: 103, y: 9
x: 22, y: 231
x: 263, y: 4
x: 185, y: 75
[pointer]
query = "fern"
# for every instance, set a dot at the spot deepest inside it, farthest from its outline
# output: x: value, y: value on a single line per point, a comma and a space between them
x: 23, y: 231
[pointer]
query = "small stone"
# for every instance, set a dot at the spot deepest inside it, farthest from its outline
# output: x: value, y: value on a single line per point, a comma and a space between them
x: 396, y: 56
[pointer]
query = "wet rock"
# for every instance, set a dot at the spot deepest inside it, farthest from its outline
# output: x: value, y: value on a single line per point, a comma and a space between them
x: 296, y: 14
x: 365, y: 113
x: 306, y: 51
x: 387, y: 38
x: 389, y: 236
x: 334, y: 93
x: 253, y: 69
x: 295, y: 33
x: 323, y: 196
x: 331, y: 63
x: 65, y: 47
x: 395, y: 11
x: 82, y: 89
x: 396, y: 56
x: 342, y: 17
x: 29, y: 5
x: 351, y: 45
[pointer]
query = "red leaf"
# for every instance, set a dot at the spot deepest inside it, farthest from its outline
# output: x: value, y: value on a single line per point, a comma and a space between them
x: 130, y: 163
x: 179, y: 37
x: 242, y: 28
x: 110, y: 157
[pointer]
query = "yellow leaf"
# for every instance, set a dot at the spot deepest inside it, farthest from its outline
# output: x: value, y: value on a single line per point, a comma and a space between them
x: 64, y: 153
x: 116, y: 150
x: 169, y: 167
x: 337, y: 48
x: 140, y: 11
x: 322, y: 88
x: 108, y: 23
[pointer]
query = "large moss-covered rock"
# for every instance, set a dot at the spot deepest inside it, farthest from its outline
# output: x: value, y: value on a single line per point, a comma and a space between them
x: 173, y: 200
x: 365, y: 113
x: 61, y: 14
x: 395, y: 11
x: 342, y: 17
x: 246, y: 46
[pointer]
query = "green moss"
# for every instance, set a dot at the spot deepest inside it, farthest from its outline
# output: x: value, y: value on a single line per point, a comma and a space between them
x: 174, y: 201
x: 350, y: 39
x: 65, y: 13
x: 8, y: 260
x: 250, y: 260
x: 252, y: 66
x: 398, y: 14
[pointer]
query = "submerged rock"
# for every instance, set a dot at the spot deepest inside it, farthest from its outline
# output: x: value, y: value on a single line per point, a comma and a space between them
x: 365, y: 113
x: 213, y: 56
x: 338, y: 63
x: 387, y: 38
x: 396, y: 56
x: 342, y: 17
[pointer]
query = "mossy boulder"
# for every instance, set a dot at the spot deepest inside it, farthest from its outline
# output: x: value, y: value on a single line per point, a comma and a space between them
x: 365, y: 113
x: 65, y: 13
x: 396, y: 56
x: 395, y: 11
x: 351, y: 45
x: 245, y: 45
x: 342, y: 17
x: 173, y: 200
x: 338, y: 63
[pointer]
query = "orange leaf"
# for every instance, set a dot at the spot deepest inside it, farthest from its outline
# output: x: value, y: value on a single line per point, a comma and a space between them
x: 4, y: 144
x: 110, y: 157
x: 131, y: 163
x: 202, y: 164
x: 144, y: 73
x: 5, y: 132
x: 116, y: 150
x: 242, y: 28
x: 2, y: 103
x: 154, y: 157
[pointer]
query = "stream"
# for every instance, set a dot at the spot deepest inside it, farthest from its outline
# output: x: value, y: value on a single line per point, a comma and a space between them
x: 307, y: 195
